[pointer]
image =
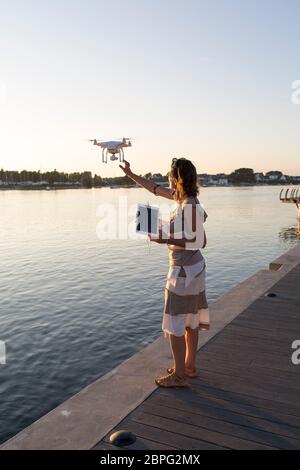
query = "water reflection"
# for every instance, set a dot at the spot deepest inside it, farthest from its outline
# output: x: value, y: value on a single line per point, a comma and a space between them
x: 289, y: 234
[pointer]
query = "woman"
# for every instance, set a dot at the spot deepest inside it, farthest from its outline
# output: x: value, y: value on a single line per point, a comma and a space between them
x: 186, y: 310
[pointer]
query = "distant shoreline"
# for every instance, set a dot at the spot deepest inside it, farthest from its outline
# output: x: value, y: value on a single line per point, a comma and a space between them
x: 56, y: 188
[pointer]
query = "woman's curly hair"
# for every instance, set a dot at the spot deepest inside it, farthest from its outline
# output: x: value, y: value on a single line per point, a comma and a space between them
x: 185, y: 174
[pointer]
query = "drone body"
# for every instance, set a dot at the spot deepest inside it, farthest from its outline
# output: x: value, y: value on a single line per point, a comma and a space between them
x: 113, y: 148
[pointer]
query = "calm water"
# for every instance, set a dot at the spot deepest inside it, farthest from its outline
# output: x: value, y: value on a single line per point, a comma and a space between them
x: 72, y: 306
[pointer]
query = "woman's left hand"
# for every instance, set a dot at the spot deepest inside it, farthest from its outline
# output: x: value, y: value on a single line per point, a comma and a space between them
x: 158, y: 239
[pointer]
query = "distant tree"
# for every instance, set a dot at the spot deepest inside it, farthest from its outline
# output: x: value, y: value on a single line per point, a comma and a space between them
x: 98, y: 180
x: 56, y: 177
x: 74, y: 177
x: 13, y: 176
x: 23, y: 176
x: 242, y: 175
x: 50, y: 177
x: 86, y: 179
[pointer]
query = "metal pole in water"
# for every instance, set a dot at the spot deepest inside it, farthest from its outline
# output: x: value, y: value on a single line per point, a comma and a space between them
x: 291, y: 196
x: 298, y: 227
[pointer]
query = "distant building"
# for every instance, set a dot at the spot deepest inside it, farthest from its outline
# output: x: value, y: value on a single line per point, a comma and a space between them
x: 25, y: 183
x: 273, y: 175
x: 213, y: 180
x: 205, y: 179
x: 259, y: 177
x: 67, y: 183
x: 221, y: 179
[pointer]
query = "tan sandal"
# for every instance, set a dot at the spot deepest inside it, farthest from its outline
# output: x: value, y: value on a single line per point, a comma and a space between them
x: 188, y: 372
x: 171, y: 380
x: 204, y: 326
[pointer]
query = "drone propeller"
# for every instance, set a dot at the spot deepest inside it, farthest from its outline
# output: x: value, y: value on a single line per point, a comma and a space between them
x: 127, y: 139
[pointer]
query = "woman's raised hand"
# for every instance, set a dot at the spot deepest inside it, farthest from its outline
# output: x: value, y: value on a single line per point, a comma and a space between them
x: 126, y: 168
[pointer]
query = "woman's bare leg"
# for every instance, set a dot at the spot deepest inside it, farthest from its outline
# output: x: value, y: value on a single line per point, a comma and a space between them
x: 191, y: 339
x: 178, y: 348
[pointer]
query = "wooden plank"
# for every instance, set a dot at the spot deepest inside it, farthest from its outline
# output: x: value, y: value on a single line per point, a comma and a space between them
x: 141, y: 444
x: 235, y: 368
x: 236, y: 404
x: 230, y: 393
x: 194, y: 431
x: 164, y: 436
x: 275, y: 311
x: 251, y: 359
x: 273, y: 317
x: 158, y: 403
x: 251, y: 433
x: 254, y: 351
x: 283, y: 295
x: 267, y: 320
x: 247, y: 344
x: 239, y: 399
x: 289, y: 285
x: 271, y: 377
x: 106, y: 446
x: 277, y: 335
x: 252, y: 355
x: 279, y: 312
x: 251, y: 346
x: 248, y: 387
x: 263, y: 325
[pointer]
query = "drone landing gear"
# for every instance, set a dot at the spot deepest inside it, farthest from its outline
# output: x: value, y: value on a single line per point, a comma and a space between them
x: 121, y: 155
x: 113, y: 155
x: 104, y: 155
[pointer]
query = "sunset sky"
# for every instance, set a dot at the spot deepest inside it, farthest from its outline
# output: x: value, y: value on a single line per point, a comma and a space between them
x: 207, y: 80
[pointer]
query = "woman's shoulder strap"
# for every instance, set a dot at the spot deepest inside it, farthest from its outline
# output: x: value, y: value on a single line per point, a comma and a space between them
x: 191, y: 200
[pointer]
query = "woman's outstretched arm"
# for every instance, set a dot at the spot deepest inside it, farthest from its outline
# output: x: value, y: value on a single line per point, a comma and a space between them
x: 147, y: 184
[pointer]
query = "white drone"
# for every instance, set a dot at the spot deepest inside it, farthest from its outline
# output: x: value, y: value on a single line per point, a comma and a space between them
x: 114, y: 148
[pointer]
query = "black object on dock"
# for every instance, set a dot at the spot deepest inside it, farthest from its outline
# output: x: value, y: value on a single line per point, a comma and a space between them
x: 122, y: 438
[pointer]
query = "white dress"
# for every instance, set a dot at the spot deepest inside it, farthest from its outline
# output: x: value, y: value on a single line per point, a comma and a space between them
x: 185, y: 299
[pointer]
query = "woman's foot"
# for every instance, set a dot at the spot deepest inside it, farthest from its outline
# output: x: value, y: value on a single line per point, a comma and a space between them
x: 192, y: 373
x: 171, y: 380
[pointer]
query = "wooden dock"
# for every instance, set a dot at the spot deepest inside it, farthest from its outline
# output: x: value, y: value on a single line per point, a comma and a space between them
x: 248, y: 395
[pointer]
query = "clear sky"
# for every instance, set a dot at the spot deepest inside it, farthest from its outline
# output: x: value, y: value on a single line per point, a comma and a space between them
x: 208, y: 80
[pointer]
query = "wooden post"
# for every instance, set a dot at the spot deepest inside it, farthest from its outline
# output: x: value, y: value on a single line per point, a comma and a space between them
x: 298, y: 227
x: 291, y: 196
